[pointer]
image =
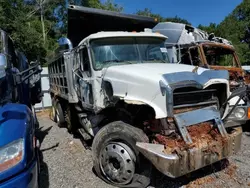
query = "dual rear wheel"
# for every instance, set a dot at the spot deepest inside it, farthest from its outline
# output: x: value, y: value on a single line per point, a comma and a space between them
x: 57, y: 113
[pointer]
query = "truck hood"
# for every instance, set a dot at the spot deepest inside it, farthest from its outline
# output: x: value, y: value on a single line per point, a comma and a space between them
x: 171, y: 73
x: 143, y: 83
x: 153, y: 69
x: 12, y: 123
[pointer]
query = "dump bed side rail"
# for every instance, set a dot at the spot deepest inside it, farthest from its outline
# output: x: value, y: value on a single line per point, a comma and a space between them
x: 61, y: 77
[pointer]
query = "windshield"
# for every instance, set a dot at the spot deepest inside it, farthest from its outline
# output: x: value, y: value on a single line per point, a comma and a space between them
x: 218, y: 56
x: 113, y: 51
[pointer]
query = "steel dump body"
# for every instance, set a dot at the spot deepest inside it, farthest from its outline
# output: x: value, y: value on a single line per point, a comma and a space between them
x: 61, y: 77
x: 101, y: 20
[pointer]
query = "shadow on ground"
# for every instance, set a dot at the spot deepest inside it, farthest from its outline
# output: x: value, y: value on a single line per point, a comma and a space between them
x: 160, y: 181
x: 246, y: 128
x: 44, y: 171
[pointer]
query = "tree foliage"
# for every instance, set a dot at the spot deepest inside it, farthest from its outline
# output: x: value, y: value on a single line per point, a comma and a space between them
x: 35, y: 25
x: 236, y: 28
x: 28, y: 21
x: 148, y: 12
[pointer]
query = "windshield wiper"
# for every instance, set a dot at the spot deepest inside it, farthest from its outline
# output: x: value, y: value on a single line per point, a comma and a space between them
x: 163, y: 61
x: 116, y: 61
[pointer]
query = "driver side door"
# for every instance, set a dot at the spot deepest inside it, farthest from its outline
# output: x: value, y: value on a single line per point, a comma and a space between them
x: 85, y: 81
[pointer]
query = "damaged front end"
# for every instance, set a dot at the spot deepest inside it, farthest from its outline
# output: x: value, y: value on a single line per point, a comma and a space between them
x: 195, y: 105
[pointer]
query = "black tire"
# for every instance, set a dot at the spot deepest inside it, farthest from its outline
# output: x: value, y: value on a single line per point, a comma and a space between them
x: 126, y: 136
x: 71, y: 119
x: 36, y: 121
x: 53, y: 110
x: 59, y: 115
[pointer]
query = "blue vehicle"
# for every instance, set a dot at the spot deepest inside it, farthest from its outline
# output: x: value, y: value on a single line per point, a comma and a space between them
x: 19, y: 91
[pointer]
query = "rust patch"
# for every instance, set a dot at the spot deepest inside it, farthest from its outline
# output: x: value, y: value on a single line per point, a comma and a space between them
x: 231, y: 169
x: 183, y: 110
x: 187, y: 109
x: 200, y: 181
x: 202, y: 135
x: 235, y: 73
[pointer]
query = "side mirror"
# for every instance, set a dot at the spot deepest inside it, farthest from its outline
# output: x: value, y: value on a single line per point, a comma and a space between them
x: 3, y: 65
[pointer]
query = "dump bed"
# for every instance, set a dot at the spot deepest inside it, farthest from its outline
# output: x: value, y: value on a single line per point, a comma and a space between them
x: 84, y: 21
x: 61, y: 77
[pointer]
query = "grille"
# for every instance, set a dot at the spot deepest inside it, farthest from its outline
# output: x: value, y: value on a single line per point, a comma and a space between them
x: 194, y: 97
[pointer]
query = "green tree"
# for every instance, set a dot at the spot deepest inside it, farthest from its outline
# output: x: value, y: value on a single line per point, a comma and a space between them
x: 60, y: 13
x: 212, y: 28
x: 148, y: 12
x: 25, y: 30
x: 235, y: 27
x: 35, y: 25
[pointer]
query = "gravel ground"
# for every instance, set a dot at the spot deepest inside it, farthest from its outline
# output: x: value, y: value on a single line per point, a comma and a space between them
x: 66, y: 163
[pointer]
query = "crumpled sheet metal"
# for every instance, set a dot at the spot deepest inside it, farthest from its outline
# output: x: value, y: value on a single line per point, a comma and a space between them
x: 176, y: 165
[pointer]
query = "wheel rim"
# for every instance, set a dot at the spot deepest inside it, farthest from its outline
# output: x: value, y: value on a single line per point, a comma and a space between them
x: 117, y: 162
x: 53, y: 112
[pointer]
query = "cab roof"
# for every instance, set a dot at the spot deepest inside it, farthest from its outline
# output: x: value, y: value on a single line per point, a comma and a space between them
x: 121, y: 34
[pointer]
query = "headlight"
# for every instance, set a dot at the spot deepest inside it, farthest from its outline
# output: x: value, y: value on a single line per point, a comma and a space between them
x: 11, y: 154
x: 239, y: 112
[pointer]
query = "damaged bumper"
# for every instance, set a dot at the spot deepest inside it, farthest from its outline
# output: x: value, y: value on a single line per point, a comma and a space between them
x: 196, y: 153
x: 174, y: 165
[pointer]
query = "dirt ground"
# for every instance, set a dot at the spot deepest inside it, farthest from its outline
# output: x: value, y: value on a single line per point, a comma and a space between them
x: 67, y: 163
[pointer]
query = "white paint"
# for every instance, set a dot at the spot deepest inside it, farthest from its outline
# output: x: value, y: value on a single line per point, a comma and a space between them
x: 140, y: 82
x: 117, y: 34
x: 46, y: 101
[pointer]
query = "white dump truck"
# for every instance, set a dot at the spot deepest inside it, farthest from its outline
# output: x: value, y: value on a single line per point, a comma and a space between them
x: 119, y: 89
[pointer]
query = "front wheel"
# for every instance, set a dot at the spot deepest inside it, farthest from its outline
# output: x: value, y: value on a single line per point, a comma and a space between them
x: 116, y: 159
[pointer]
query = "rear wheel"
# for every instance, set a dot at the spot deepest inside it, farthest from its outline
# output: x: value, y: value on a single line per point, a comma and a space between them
x: 71, y: 119
x: 59, y: 114
x: 116, y: 159
x: 53, y: 111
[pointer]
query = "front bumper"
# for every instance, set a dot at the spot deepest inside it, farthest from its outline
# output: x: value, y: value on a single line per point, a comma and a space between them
x: 26, y: 179
x: 233, y: 120
x: 193, y: 159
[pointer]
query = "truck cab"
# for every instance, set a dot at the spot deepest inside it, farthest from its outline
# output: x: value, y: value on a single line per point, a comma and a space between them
x: 18, y: 144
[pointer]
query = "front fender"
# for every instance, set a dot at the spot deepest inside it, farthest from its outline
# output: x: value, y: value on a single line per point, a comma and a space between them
x: 17, y: 123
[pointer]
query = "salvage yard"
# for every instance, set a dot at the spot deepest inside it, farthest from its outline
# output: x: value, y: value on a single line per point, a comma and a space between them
x: 66, y: 163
